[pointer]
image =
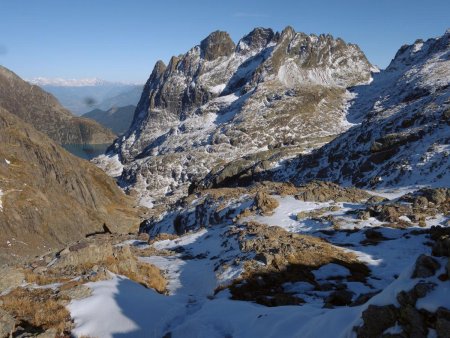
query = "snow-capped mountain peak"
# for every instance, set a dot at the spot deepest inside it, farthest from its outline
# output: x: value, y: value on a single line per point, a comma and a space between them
x: 61, y: 82
x: 222, y: 101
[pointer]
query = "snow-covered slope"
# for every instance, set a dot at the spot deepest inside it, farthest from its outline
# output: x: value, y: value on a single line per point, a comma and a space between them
x: 404, y: 135
x: 320, y: 269
x: 220, y: 101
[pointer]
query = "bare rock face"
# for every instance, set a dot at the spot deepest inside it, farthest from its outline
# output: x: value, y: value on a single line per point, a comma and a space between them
x: 49, y: 197
x: 43, y: 112
x: 217, y: 44
x: 220, y: 101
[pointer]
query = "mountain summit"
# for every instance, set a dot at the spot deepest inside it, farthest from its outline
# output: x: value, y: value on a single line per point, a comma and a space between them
x: 404, y: 136
x: 222, y: 101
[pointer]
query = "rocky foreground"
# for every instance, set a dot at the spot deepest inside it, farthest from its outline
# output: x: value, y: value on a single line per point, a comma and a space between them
x: 247, y: 262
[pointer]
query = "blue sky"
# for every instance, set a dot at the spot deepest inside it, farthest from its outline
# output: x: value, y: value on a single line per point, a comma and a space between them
x: 120, y: 40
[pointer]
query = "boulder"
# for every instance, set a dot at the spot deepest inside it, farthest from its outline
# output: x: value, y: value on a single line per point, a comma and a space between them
x: 412, y: 321
x: 50, y: 333
x: 443, y: 323
x: 426, y: 266
x: 265, y: 203
x: 10, y: 278
x: 83, y: 254
x: 339, y: 298
x: 7, y: 324
x: 442, y: 246
x: 376, y: 319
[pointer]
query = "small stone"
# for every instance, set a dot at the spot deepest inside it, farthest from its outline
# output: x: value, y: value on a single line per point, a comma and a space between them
x: 420, y: 290
x: 374, y: 234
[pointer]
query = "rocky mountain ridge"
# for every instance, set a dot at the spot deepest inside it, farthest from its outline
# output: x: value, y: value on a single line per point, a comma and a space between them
x: 118, y: 119
x: 278, y: 92
x: 400, y: 137
x: 404, y: 136
x: 43, y: 111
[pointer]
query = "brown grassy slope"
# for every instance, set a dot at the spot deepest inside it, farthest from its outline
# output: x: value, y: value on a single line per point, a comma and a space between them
x: 43, y: 112
x: 51, y: 197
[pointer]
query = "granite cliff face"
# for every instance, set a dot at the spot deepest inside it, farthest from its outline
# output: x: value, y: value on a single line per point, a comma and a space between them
x: 43, y: 111
x: 49, y: 197
x: 400, y: 137
x: 274, y: 94
x: 404, y: 135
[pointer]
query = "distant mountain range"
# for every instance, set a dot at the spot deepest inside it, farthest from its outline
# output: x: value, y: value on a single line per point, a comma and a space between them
x: 83, y: 95
x: 39, y: 108
x: 60, y: 82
